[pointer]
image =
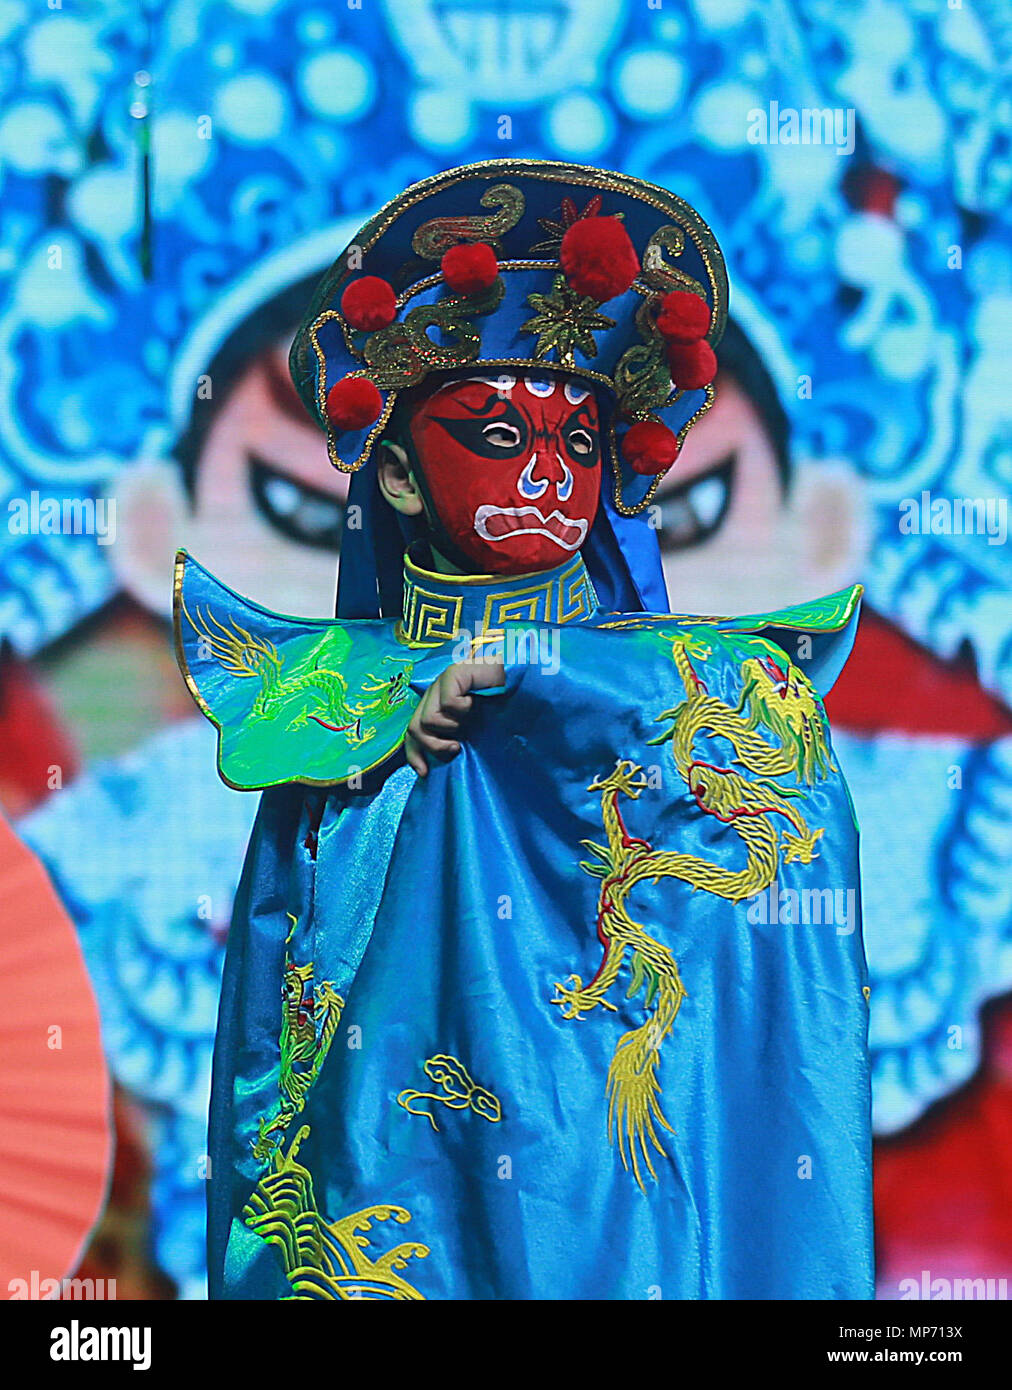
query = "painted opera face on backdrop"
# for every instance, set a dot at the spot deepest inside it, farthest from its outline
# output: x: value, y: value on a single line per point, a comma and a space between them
x: 513, y: 466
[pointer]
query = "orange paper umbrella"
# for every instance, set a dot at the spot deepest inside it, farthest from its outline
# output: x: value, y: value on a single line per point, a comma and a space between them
x: 55, y: 1133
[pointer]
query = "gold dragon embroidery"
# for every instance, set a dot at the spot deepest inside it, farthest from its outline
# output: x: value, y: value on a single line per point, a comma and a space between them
x: 309, y: 1020
x: 312, y: 691
x: 777, y: 699
x: 322, y: 1259
x: 458, y: 1091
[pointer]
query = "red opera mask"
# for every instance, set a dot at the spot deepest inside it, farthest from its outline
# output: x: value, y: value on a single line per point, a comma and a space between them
x: 513, y: 466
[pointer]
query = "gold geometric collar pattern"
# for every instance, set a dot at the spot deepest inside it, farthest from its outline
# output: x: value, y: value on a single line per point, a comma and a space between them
x: 439, y: 606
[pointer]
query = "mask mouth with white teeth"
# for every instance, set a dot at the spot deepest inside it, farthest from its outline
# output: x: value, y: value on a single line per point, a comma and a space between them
x: 501, y: 523
x: 304, y: 514
x: 693, y: 511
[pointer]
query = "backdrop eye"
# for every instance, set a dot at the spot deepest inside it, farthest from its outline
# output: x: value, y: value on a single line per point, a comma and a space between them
x: 501, y: 435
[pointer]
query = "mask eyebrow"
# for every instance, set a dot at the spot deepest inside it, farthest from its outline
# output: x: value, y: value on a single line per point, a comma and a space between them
x: 509, y: 414
x: 482, y: 409
x: 470, y: 431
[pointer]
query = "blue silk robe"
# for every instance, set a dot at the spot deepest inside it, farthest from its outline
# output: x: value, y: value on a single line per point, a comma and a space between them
x: 582, y: 1014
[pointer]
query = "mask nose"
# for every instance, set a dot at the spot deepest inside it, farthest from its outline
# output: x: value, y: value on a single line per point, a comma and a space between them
x: 543, y: 468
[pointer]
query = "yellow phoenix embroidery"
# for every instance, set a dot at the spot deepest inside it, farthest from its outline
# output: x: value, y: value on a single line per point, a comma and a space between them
x: 781, y: 701
x: 326, y: 1259
x: 458, y: 1091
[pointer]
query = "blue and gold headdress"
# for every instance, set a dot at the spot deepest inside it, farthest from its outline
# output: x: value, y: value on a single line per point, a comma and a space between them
x: 415, y: 294
x: 511, y: 264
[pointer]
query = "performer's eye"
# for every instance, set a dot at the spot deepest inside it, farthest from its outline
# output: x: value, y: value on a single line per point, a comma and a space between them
x: 501, y: 435
x: 583, y: 445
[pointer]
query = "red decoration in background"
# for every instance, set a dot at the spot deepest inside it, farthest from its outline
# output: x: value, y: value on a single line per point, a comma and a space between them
x: 598, y: 257
x: 891, y: 683
x: 872, y: 190
x: 470, y: 268
x: 684, y: 317
x: 943, y: 1189
x: 369, y: 303
x: 354, y: 403
x: 31, y: 737
x: 649, y: 447
x: 120, y: 1248
x: 692, y: 364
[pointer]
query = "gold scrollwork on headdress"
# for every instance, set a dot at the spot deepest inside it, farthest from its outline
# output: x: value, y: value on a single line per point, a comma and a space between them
x: 642, y: 375
x: 403, y: 353
x: 658, y: 273
x: 437, y: 235
x: 642, y: 378
x: 625, y: 508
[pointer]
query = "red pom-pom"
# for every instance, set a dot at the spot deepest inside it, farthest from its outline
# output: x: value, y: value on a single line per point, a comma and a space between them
x: 684, y: 317
x: 369, y: 303
x: 649, y: 447
x: 692, y: 365
x: 354, y: 403
x: 469, y: 268
x: 598, y: 258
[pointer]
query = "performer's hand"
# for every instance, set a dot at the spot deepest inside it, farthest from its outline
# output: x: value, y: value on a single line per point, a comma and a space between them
x: 435, y: 725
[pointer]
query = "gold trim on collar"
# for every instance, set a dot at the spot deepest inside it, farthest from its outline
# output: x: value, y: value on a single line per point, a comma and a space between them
x: 439, y: 606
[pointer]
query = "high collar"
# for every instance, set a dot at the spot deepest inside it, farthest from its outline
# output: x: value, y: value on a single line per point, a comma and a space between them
x: 439, y: 606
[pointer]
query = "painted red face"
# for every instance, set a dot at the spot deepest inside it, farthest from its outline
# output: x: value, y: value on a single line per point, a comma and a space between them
x: 513, y: 466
